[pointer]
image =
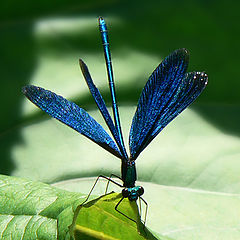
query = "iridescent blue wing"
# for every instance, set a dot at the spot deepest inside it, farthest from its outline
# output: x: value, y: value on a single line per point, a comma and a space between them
x: 102, y: 107
x: 190, y: 88
x: 72, y: 115
x: 158, y: 93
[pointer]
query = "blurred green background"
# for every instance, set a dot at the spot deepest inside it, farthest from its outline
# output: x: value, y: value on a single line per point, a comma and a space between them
x: 41, y: 42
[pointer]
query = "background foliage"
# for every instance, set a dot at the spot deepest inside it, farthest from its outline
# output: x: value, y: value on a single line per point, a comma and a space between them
x: 40, y: 44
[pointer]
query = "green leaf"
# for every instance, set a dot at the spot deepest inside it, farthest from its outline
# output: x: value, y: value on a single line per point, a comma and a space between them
x: 33, y: 210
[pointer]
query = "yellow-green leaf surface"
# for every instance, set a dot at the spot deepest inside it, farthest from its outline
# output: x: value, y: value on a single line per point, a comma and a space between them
x: 99, y: 220
x: 190, y: 172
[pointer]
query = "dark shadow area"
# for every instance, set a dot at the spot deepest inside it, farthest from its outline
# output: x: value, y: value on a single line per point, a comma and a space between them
x: 17, y: 63
x: 224, y: 117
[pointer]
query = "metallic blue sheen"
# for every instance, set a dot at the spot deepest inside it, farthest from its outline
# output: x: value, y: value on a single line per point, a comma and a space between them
x: 133, y: 193
x: 72, y: 115
x: 190, y: 88
x: 102, y: 107
x: 168, y: 91
x: 107, y: 54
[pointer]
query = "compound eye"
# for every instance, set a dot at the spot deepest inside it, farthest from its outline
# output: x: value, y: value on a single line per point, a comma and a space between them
x: 140, y: 191
x: 125, y: 192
